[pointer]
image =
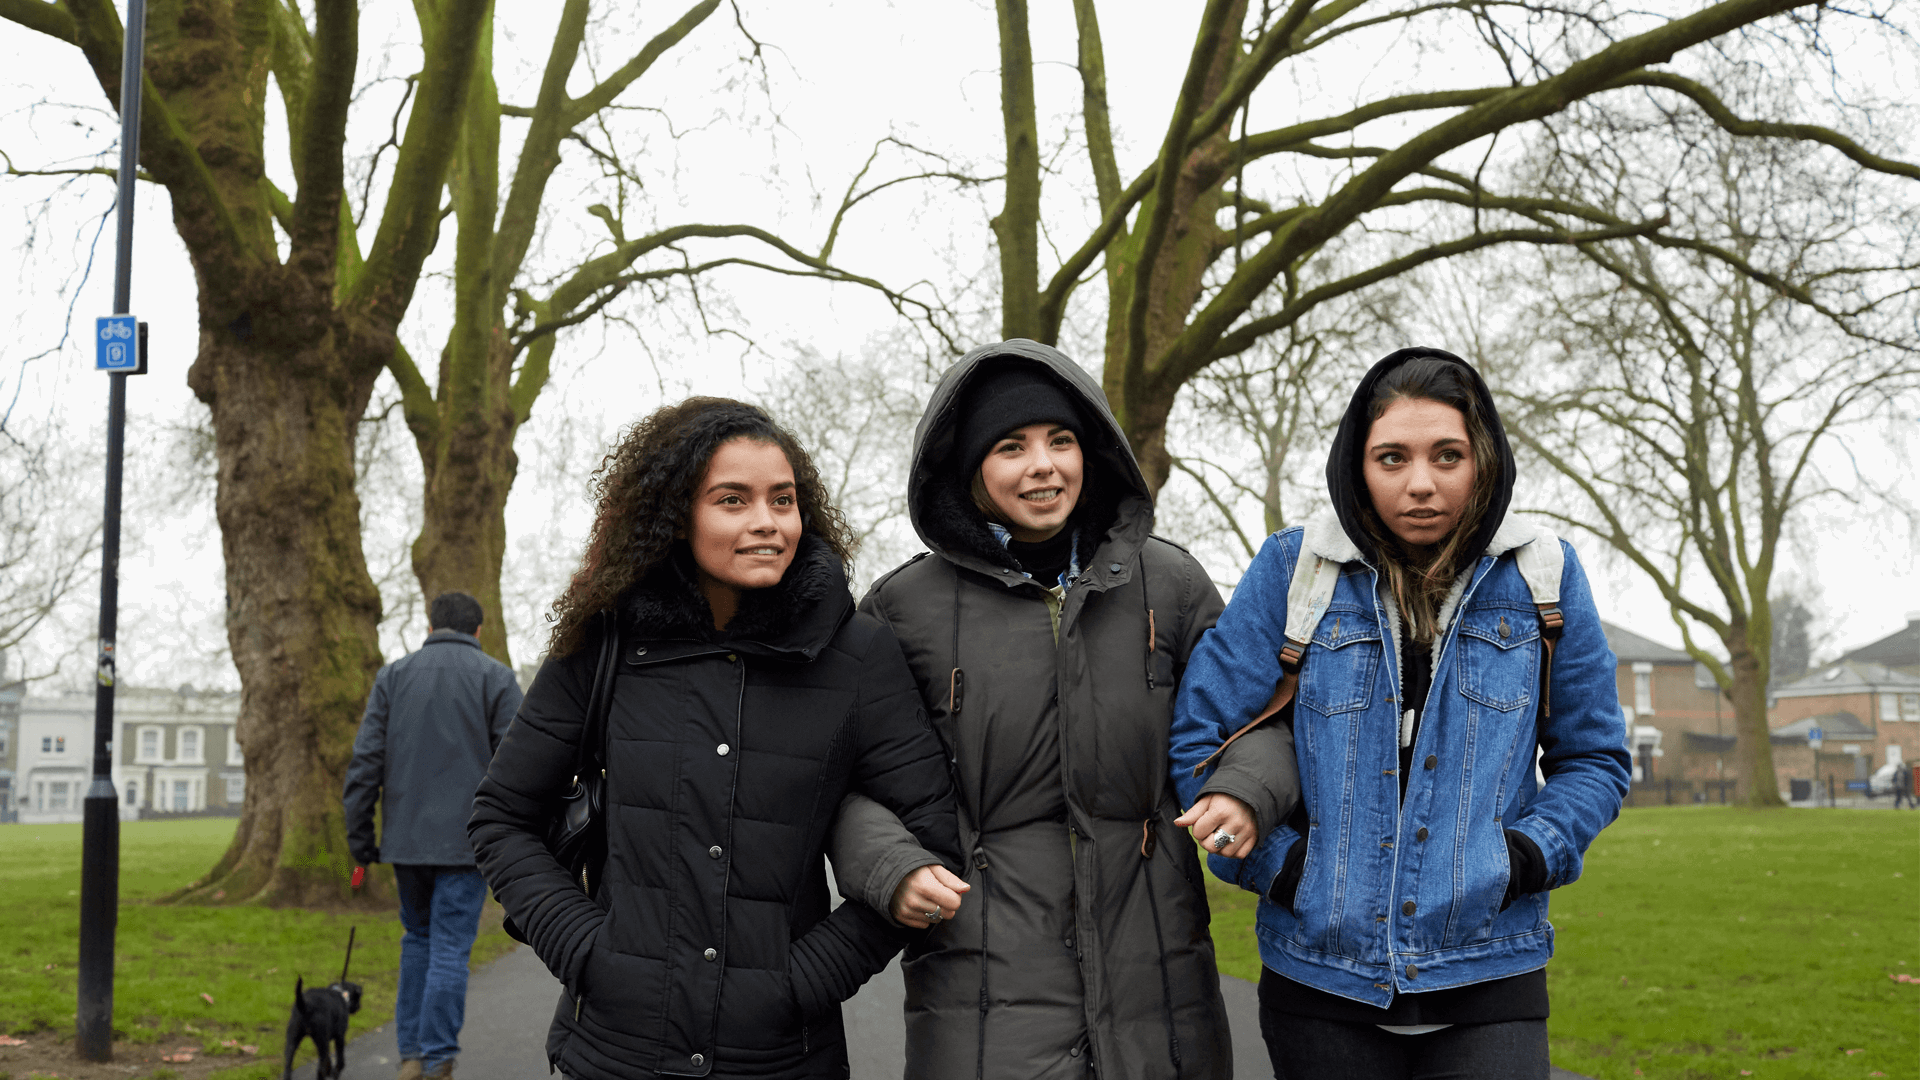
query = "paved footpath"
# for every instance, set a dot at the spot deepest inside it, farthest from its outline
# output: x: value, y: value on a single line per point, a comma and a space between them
x: 510, y: 1003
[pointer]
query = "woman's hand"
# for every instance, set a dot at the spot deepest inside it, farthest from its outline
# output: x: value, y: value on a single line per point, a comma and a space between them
x: 1215, y: 814
x: 929, y: 889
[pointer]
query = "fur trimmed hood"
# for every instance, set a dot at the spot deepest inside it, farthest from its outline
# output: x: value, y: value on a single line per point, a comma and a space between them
x: 798, y: 616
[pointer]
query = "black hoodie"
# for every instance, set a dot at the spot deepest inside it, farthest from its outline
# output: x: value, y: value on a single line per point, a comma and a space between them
x: 1344, y: 461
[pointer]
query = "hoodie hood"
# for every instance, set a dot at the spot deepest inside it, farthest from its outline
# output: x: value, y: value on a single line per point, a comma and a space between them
x: 1348, y: 488
x: 1116, y: 507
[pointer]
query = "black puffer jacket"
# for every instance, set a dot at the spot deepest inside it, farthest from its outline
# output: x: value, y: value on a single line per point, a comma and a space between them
x: 709, y: 949
x: 1082, y: 948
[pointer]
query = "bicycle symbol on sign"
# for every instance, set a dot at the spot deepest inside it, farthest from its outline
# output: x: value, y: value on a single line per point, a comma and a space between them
x: 115, y: 329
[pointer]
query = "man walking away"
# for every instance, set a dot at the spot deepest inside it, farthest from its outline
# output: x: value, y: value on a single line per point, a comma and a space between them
x: 1903, y: 787
x: 433, y: 721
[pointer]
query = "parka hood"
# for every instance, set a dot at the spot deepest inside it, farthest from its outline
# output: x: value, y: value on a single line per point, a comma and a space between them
x: 1347, y: 486
x: 1116, y: 508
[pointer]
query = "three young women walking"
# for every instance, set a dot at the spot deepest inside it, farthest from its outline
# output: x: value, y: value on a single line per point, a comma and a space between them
x: 1403, y: 917
x: 749, y: 698
x: 1047, y: 631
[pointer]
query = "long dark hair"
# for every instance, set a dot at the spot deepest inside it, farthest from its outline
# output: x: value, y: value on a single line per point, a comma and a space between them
x: 1420, y: 587
x: 644, y: 491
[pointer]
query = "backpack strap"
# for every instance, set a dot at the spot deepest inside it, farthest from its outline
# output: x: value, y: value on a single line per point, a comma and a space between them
x: 1541, y: 564
x: 1307, y: 598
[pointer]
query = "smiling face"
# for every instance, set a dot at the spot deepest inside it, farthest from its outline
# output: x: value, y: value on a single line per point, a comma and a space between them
x: 1032, y: 477
x: 1419, y: 469
x: 745, y: 522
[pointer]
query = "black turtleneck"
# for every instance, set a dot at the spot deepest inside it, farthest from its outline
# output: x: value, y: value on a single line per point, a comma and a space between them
x: 1047, y: 559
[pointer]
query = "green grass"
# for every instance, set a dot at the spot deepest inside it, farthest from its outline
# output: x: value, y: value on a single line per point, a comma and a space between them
x: 1711, y: 942
x: 245, y: 958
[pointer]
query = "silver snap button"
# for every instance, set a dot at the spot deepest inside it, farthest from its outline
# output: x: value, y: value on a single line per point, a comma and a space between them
x: 1113, y: 567
x: 710, y: 954
x: 723, y: 749
x: 714, y: 851
x: 641, y: 651
x: 698, y: 1060
x: 1004, y: 570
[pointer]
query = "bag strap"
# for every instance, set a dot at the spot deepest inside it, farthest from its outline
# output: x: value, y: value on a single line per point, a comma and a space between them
x: 590, y: 755
x: 1308, y: 595
x: 1541, y: 564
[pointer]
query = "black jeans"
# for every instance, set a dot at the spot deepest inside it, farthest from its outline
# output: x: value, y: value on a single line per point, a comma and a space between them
x: 1305, y: 1048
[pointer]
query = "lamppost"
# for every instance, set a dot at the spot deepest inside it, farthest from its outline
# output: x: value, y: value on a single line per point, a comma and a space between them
x: 120, y: 350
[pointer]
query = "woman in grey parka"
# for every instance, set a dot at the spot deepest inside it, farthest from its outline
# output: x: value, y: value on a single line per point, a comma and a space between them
x: 1047, y: 630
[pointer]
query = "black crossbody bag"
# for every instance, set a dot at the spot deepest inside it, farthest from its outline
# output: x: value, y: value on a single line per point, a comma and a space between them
x: 577, y: 821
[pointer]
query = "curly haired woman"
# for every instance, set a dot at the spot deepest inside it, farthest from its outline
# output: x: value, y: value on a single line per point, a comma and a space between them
x: 749, y: 699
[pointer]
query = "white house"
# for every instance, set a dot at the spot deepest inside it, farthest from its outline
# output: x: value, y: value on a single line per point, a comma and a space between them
x: 175, y: 753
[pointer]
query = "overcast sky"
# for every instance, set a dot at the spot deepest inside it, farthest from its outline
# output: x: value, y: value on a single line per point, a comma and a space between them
x: 841, y: 76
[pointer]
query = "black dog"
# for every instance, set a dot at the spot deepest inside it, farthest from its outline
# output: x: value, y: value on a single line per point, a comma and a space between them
x: 321, y: 1015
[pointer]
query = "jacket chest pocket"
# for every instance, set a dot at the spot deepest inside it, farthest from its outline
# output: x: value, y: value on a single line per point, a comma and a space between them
x: 1498, y: 652
x: 1337, y: 673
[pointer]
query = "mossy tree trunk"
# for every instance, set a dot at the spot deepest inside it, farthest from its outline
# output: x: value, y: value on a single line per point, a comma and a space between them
x: 290, y: 347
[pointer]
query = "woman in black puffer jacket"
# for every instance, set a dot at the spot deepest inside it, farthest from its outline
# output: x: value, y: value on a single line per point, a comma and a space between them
x: 749, y: 699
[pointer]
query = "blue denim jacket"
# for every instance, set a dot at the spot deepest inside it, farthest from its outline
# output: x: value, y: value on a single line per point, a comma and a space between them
x: 1406, y: 898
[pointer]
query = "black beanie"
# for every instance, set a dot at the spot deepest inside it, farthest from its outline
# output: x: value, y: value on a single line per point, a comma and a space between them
x: 1005, y: 398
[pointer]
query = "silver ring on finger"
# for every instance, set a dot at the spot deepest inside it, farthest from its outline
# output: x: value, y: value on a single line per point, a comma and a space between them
x: 934, y: 916
x: 1221, y: 839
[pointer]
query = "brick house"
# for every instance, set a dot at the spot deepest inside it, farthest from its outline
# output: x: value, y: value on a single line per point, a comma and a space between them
x: 1868, y: 713
x: 1679, y: 725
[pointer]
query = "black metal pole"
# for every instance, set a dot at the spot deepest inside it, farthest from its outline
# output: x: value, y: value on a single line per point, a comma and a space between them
x: 100, y: 854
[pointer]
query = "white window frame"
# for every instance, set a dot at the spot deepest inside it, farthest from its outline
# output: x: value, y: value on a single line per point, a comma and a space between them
x: 1910, y: 707
x: 234, y: 755
x: 140, y: 744
x: 1643, y: 689
x: 65, y: 792
x: 46, y: 744
x: 199, y: 744
x: 132, y: 789
x: 236, y: 790
x: 1889, y: 708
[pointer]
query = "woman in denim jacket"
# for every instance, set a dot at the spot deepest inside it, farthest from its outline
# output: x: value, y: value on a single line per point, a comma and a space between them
x: 1403, y: 916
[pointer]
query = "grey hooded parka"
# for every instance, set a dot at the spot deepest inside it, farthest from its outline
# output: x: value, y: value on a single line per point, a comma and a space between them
x: 1083, y: 946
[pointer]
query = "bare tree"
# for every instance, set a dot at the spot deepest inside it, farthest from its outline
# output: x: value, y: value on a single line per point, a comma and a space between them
x: 1255, y: 427
x: 1199, y: 249
x: 856, y: 417
x: 1690, y: 392
x: 301, y: 296
x: 46, y: 554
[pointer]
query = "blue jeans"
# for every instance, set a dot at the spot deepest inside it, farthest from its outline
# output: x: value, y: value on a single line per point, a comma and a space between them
x: 440, y: 908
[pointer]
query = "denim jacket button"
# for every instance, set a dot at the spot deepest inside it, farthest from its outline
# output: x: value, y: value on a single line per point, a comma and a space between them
x: 1412, y: 971
x: 1432, y: 761
x: 1422, y: 834
x: 1407, y: 909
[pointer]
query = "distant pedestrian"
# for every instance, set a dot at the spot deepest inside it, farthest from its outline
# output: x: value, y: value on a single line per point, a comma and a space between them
x: 433, y: 721
x: 1903, y: 787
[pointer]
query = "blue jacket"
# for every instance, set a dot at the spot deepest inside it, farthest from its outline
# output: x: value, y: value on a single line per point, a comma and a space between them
x: 433, y: 720
x: 1406, y: 898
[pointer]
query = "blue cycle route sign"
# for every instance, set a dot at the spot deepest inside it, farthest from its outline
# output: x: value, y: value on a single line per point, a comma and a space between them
x: 114, y: 346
